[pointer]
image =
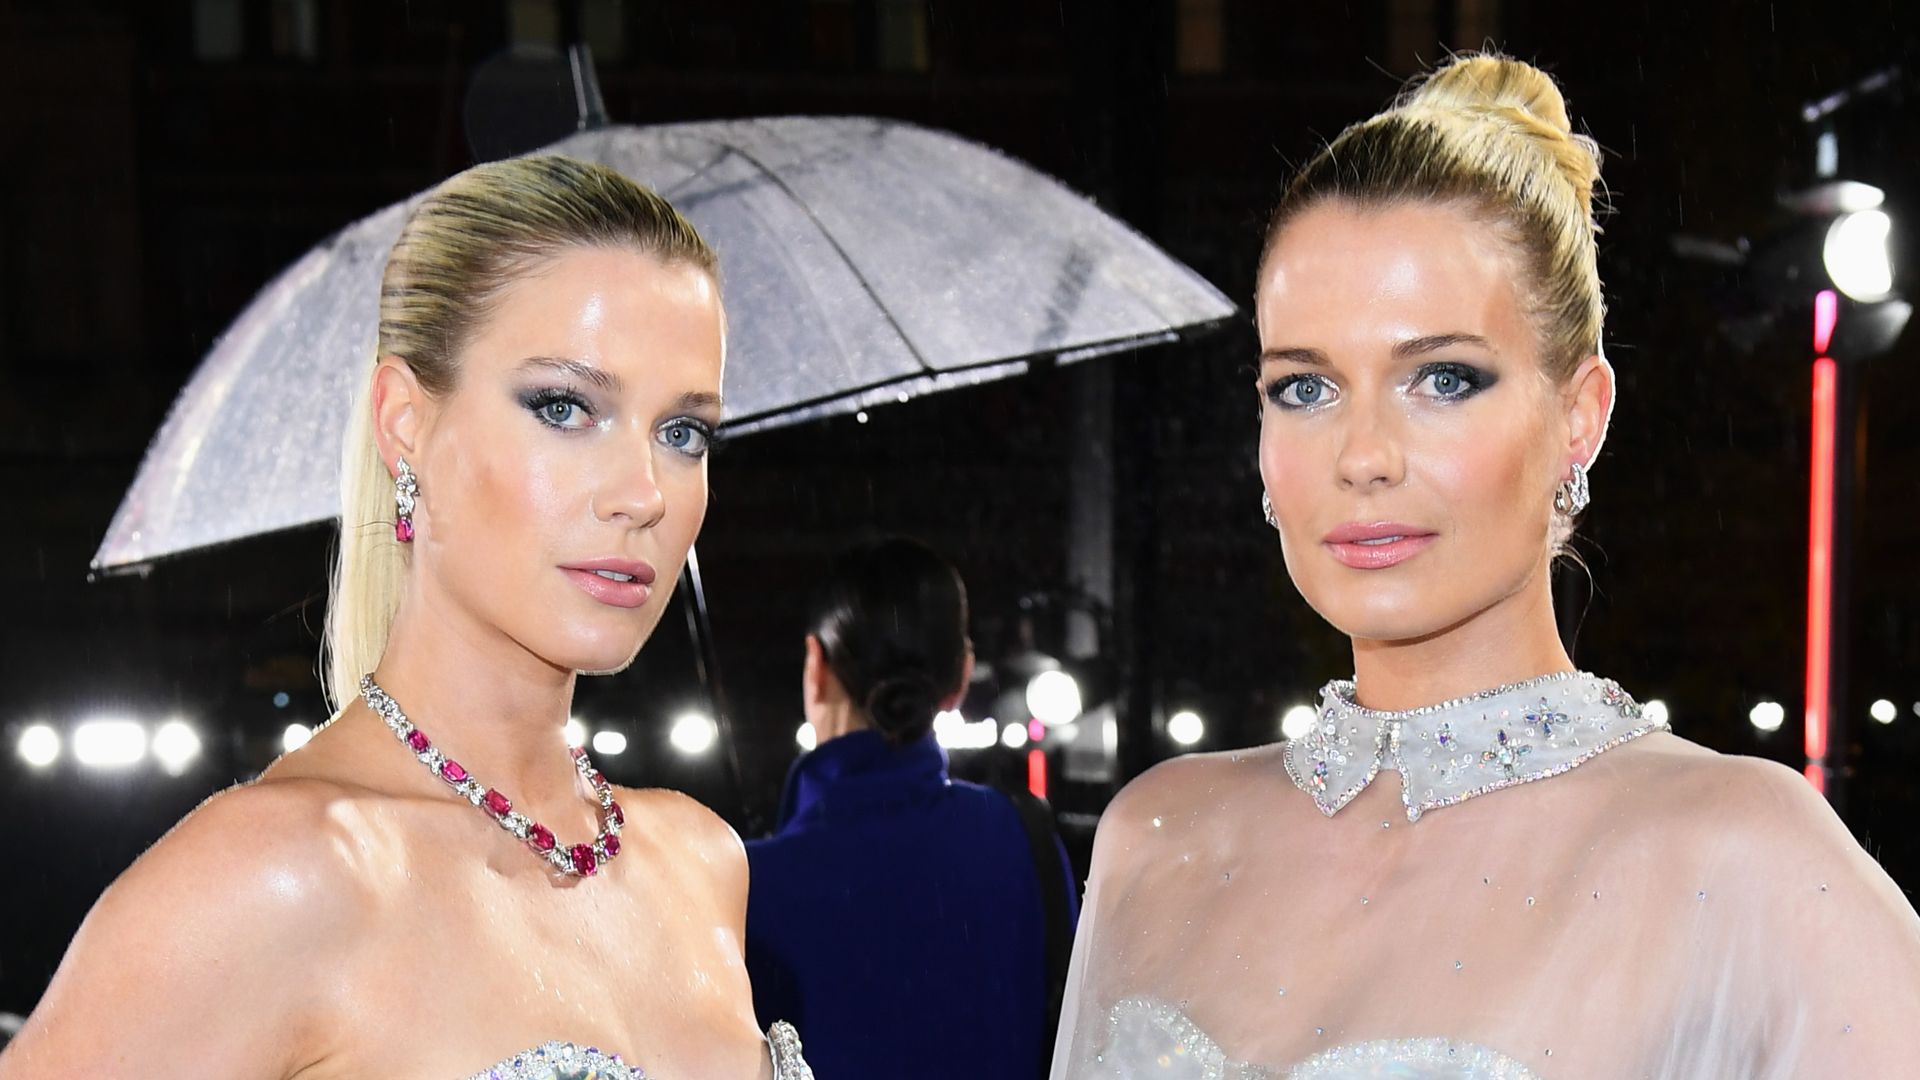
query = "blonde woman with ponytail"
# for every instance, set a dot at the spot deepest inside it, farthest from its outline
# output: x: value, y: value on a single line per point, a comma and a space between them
x: 435, y: 883
x: 1481, y: 862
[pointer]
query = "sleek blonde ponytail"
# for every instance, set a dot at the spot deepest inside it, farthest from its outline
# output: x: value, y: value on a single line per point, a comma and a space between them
x: 1491, y: 133
x: 468, y: 239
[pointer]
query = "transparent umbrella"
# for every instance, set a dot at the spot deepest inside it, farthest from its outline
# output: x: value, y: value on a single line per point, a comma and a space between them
x: 864, y: 261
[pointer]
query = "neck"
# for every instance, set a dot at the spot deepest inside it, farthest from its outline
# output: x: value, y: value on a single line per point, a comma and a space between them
x: 832, y: 719
x: 1514, y: 640
x: 486, y: 701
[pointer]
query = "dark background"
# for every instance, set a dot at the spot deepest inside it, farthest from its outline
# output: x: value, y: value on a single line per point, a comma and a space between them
x: 162, y: 161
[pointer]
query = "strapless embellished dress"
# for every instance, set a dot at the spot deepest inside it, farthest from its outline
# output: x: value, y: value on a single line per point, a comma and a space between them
x: 1148, y: 1038
x: 571, y: 1061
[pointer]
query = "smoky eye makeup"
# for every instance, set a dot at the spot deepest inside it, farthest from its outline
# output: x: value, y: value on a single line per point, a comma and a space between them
x: 1451, y: 380
x: 688, y: 436
x: 1300, y: 390
x: 561, y: 408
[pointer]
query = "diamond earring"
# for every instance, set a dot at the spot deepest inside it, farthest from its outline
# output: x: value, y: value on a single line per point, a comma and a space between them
x: 1573, y: 494
x: 406, y: 488
x: 1266, y: 511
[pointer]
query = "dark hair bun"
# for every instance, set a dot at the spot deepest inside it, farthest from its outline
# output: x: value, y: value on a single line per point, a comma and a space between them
x: 902, y: 705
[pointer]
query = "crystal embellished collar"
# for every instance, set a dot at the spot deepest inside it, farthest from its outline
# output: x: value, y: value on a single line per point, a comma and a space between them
x: 1469, y: 746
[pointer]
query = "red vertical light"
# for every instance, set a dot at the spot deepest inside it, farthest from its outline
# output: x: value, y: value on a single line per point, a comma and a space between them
x: 1037, y: 772
x: 1817, y: 775
x: 1820, y: 565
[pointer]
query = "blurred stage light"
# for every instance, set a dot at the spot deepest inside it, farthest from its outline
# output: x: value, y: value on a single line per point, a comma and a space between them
x: 1655, y: 711
x: 39, y: 745
x: 693, y: 733
x: 1014, y: 736
x: 1857, y: 257
x: 1768, y: 716
x: 576, y: 732
x: 1297, y: 721
x: 1053, y: 697
x: 295, y: 737
x: 1185, y: 727
x: 806, y: 737
x: 610, y: 743
x: 281, y: 699
x: 1883, y: 711
x: 109, y: 742
x: 953, y: 731
x: 175, y: 745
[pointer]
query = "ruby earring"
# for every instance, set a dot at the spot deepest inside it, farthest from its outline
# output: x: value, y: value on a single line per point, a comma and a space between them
x: 406, y: 489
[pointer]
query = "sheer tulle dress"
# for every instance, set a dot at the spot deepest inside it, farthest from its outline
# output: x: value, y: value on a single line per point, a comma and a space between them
x: 1537, y: 881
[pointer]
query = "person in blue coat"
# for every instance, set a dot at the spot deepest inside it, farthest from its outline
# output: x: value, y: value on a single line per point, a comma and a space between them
x: 914, y: 926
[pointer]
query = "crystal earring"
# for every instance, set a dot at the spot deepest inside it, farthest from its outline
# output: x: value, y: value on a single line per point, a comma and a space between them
x: 1266, y: 511
x: 1573, y: 494
x: 405, y: 490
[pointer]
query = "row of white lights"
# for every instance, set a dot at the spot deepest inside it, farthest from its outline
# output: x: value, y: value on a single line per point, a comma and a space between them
x: 1053, y: 697
x: 1770, y: 715
x: 112, y: 742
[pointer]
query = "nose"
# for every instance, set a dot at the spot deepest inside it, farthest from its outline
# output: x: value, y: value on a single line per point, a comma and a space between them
x: 1370, y: 451
x: 628, y: 493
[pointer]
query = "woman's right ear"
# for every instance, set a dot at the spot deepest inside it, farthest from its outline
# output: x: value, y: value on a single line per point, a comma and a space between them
x: 397, y: 401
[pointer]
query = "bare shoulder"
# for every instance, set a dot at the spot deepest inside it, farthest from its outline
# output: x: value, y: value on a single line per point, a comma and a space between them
x: 1746, y: 813
x: 256, y: 884
x: 701, y: 845
x: 257, y: 855
x: 1186, y: 800
x: 1684, y: 783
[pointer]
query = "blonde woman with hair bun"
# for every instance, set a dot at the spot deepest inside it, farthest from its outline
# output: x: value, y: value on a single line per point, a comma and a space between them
x: 435, y: 886
x: 1480, y: 862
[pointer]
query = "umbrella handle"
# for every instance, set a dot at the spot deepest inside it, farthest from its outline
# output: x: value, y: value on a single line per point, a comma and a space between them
x: 706, y: 659
x: 591, y: 109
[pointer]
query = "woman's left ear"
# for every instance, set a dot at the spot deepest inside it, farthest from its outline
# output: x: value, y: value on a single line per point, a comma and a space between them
x: 1589, y: 403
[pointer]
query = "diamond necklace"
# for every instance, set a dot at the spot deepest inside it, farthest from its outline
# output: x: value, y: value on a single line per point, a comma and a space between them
x: 579, y: 860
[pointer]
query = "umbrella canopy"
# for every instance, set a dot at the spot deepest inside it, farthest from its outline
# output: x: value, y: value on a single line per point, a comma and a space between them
x: 863, y: 261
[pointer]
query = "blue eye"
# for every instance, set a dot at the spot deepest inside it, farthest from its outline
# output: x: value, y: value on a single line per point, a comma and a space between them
x: 558, y: 408
x: 687, y: 436
x: 1451, y: 381
x: 1300, y: 391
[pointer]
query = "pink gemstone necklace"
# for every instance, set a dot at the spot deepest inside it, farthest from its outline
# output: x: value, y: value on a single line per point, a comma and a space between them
x: 580, y: 860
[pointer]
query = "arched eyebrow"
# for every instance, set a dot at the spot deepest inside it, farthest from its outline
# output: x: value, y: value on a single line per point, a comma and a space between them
x: 1309, y: 357
x: 1421, y: 346
x: 696, y: 401
x: 579, y: 369
x: 1411, y: 347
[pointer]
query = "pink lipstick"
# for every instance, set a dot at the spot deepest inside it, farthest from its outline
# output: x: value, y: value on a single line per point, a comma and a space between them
x: 1377, y: 545
x: 625, y: 583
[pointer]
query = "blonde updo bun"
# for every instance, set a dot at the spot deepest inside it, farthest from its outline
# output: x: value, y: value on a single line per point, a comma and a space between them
x: 1492, y: 133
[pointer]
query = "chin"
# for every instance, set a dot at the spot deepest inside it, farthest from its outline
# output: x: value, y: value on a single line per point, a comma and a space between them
x: 1385, y: 615
x: 596, y: 649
